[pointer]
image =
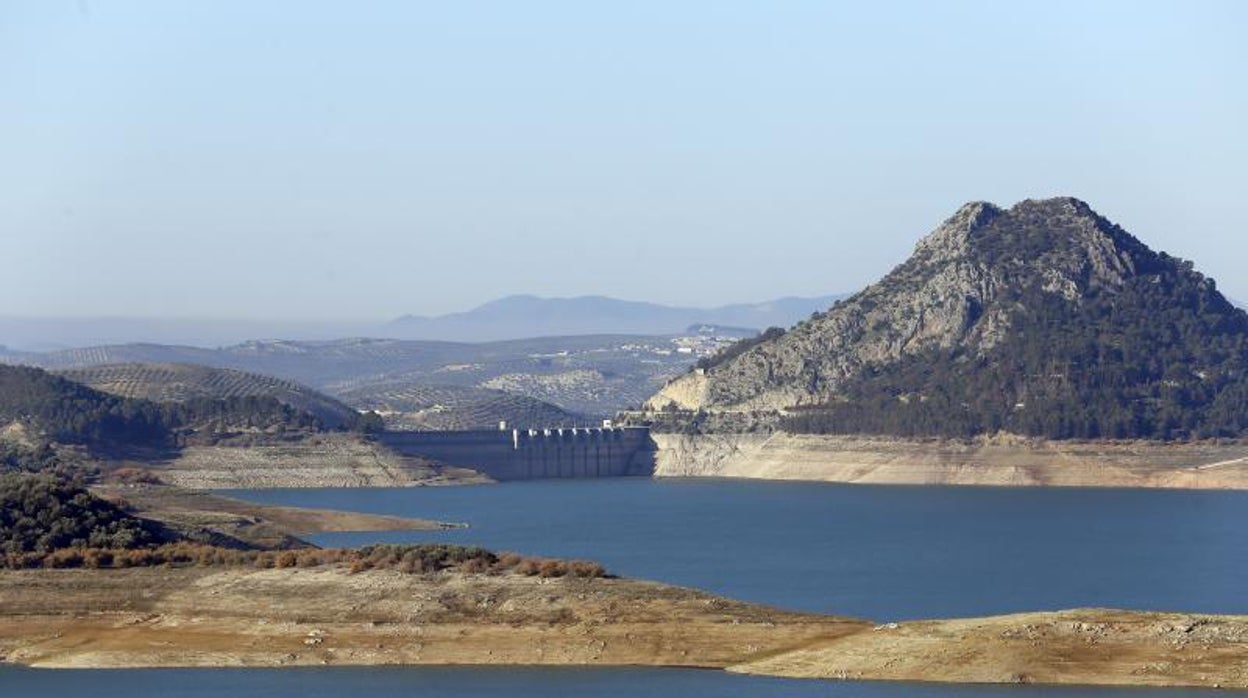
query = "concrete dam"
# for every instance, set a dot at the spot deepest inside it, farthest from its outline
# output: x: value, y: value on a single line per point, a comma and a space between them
x: 525, y: 454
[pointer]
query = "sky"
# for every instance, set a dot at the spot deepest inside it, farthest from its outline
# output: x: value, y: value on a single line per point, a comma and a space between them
x: 362, y: 160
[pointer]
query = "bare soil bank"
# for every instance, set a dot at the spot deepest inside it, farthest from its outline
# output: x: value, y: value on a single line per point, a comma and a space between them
x: 1086, y: 646
x: 1002, y: 460
x: 277, y: 617
x: 283, y: 617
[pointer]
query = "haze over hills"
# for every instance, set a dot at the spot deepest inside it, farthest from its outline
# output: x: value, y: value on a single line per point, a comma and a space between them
x: 514, y: 317
x: 592, y: 375
x: 1042, y: 319
x: 546, y: 373
x: 41, y: 334
x: 425, y: 406
x: 517, y: 317
x: 402, y: 404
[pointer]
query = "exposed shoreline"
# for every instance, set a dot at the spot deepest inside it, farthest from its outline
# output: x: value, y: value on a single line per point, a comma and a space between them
x: 1093, y: 647
x: 1003, y: 460
x: 989, y: 461
x: 254, y: 525
x: 320, y: 460
x: 242, y: 617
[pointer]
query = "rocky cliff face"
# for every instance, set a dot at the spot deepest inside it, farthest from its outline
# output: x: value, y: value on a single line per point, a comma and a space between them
x: 968, y: 288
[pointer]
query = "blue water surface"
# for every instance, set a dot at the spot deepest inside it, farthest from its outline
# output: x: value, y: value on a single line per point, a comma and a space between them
x: 885, y: 553
x: 878, y: 552
x: 496, y: 682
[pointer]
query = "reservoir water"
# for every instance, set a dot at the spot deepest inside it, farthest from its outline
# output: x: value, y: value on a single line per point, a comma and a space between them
x: 886, y: 553
x: 493, y: 682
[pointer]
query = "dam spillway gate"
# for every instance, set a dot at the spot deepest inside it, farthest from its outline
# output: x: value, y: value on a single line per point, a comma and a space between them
x: 525, y: 454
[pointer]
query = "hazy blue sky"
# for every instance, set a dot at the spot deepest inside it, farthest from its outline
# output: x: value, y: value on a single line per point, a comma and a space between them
x: 367, y: 159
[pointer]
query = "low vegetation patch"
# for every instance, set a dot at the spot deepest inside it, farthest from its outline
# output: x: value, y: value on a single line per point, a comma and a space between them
x: 409, y: 559
x: 416, y: 559
x: 56, y: 523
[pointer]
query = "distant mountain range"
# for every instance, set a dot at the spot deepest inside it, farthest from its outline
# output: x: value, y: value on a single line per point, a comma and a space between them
x: 39, y: 334
x: 518, y: 317
x: 514, y: 317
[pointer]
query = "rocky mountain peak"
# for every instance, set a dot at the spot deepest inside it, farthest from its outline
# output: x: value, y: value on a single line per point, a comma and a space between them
x: 1068, y: 239
x: 975, y: 287
x: 953, y: 237
x: 1061, y: 242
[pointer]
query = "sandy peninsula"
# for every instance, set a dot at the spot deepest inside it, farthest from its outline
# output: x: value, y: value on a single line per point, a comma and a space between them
x: 183, y: 508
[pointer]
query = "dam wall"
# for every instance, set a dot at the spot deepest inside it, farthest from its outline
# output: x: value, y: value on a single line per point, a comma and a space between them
x: 525, y: 454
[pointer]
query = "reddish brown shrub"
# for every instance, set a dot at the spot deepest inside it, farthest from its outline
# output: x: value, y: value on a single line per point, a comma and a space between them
x: 552, y: 568
x: 528, y: 566
x: 65, y: 558
x: 476, y: 566
x: 586, y: 569
x: 507, y: 561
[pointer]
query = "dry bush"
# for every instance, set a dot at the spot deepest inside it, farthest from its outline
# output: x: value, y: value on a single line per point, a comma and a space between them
x: 586, y: 569
x: 94, y: 558
x: 316, y: 557
x: 528, y: 567
x: 475, y: 566
x: 140, y: 557
x: 23, y: 561
x: 552, y: 568
x: 508, y: 561
x: 411, y: 563
x: 65, y: 558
